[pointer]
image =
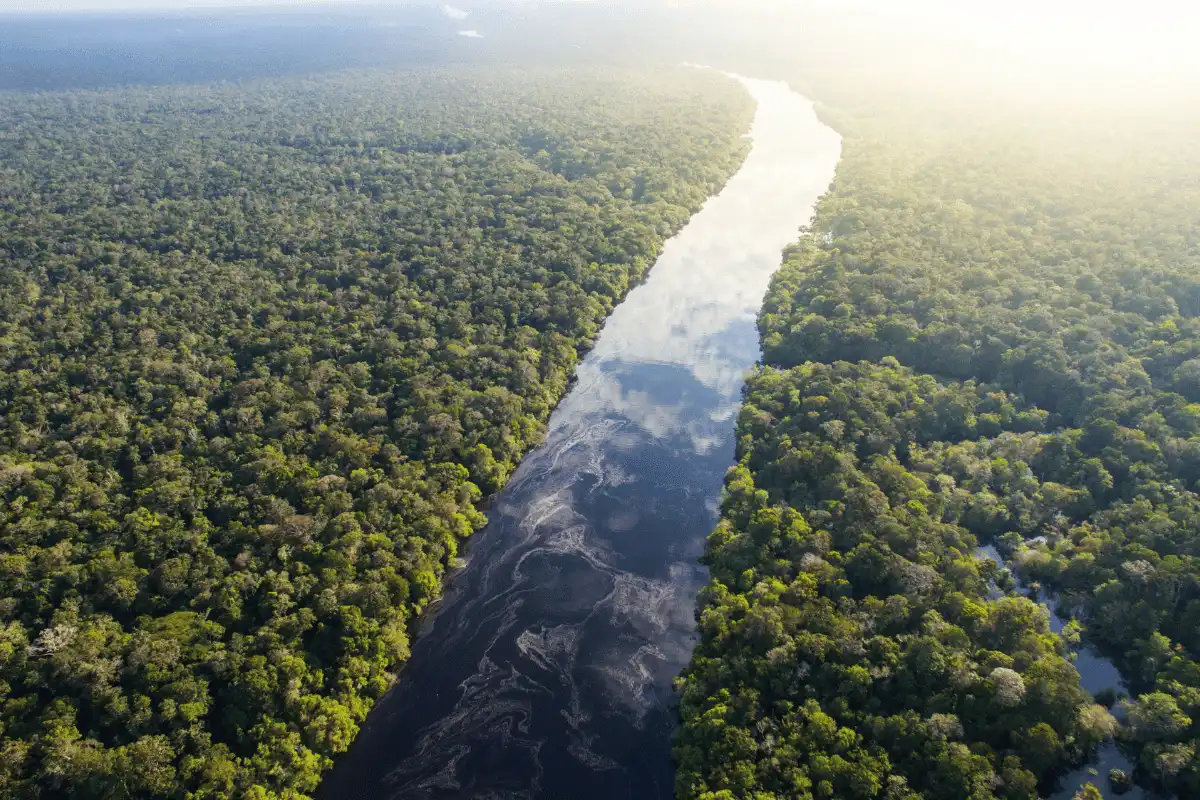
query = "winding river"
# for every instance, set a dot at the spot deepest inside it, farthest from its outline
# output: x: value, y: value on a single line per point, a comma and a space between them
x: 546, y: 671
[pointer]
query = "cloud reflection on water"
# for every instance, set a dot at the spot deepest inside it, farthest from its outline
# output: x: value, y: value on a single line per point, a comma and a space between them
x: 547, y: 671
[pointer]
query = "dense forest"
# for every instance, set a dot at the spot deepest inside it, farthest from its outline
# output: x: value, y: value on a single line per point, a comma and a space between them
x: 263, y: 349
x: 990, y: 336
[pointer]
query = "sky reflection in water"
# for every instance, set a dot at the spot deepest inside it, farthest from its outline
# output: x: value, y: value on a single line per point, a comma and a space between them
x: 547, y: 670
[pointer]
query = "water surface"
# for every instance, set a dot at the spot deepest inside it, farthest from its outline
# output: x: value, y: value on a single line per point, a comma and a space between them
x: 1096, y: 674
x: 547, y: 670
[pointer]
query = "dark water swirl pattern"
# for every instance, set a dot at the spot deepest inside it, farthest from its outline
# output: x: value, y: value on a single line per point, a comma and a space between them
x: 546, y: 672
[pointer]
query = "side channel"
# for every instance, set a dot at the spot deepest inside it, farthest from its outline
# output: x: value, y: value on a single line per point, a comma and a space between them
x: 547, y: 670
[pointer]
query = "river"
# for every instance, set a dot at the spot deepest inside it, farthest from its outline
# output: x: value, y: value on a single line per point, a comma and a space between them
x: 546, y: 671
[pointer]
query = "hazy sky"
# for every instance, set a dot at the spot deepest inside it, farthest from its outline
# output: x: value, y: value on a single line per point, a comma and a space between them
x: 49, y: 6
x: 1158, y: 35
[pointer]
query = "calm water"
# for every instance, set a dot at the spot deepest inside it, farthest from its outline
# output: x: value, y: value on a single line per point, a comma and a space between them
x: 546, y: 672
x: 1096, y: 674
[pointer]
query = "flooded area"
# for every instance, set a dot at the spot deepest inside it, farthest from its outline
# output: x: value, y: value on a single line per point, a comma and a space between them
x: 1096, y: 674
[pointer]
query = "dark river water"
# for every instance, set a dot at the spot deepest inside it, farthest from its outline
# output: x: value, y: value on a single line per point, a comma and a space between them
x: 547, y: 670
